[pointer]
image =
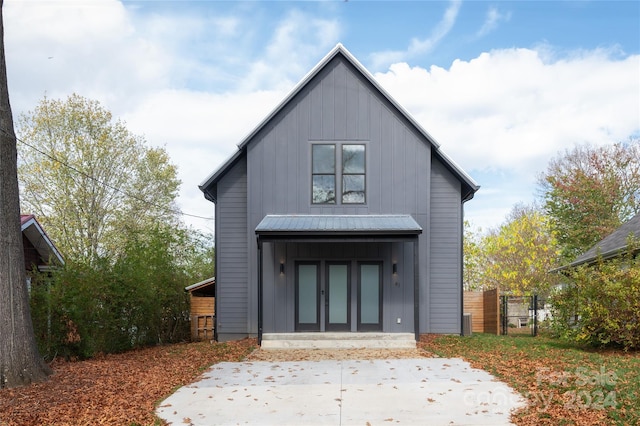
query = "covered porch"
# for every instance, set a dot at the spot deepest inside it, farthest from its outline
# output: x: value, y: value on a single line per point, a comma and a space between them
x: 349, y: 277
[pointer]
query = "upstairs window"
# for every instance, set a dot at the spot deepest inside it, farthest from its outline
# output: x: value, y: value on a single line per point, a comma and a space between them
x: 326, y: 175
x: 353, y: 174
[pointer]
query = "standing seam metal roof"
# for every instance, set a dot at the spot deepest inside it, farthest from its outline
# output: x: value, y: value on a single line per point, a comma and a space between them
x: 359, y: 224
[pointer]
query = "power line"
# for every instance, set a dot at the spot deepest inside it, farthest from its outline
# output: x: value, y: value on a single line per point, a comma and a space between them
x: 85, y: 174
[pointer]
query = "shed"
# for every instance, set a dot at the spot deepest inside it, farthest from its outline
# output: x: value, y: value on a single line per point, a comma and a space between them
x: 202, y: 296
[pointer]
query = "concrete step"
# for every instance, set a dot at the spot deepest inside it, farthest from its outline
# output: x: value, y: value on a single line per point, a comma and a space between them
x: 338, y: 341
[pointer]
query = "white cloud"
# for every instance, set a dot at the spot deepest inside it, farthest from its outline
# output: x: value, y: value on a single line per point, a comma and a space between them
x: 298, y: 40
x: 90, y: 48
x: 200, y: 131
x: 492, y: 19
x: 503, y: 115
x: 197, y: 84
x: 417, y: 46
x: 510, y: 109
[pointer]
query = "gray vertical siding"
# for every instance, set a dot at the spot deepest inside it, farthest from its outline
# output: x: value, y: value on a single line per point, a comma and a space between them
x: 231, y: 253
x: 444, y: 267
x: 339, y: 105
x: 279, y: 290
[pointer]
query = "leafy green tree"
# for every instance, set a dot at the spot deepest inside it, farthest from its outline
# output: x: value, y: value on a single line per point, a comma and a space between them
x: 20, y: 363
x: 519, y: 254
x: 84, y: 175
x: 474, y: 261
x: 113, y: 305
x: 588, y: 192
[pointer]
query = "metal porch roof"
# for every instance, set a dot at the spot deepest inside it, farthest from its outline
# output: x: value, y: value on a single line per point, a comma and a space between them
x: 350, y: 225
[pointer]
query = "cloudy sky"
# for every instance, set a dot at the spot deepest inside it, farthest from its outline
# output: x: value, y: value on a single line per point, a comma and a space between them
x: 502, y: 86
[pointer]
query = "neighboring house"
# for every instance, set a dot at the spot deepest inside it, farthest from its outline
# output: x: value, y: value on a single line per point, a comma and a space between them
x: 40, y: 254
x: 338, y: 212
x: 202, y: 298
x: 614, y: 245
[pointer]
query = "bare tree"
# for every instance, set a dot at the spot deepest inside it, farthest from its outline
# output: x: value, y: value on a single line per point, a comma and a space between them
x: 20, y: 363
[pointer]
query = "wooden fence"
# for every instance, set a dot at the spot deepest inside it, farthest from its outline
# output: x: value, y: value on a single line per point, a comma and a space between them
x: 484, y: 308
x: 203, y: 319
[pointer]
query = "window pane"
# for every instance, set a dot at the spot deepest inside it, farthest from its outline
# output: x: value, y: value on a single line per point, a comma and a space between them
x: 352, y: 158
x: 324, y: 189
x: 324, y: 159
x: 338, y: 294
x: 369, y: 294
x: 353, y: 189
x: 307, y: 294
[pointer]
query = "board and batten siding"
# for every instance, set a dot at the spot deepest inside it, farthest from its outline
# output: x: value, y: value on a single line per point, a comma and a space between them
x: 232, y: 254
x: 445, y: 290
x: 273, y: 176
x: 339, y: 105
x: 279, y: 290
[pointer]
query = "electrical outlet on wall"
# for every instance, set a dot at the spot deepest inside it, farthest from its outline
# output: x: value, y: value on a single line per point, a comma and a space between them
x: 399, y: 321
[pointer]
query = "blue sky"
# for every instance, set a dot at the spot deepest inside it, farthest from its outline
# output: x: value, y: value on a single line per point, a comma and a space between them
x: 502, y: 86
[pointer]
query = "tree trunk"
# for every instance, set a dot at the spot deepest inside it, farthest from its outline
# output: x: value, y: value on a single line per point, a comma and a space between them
x: 20, y: 363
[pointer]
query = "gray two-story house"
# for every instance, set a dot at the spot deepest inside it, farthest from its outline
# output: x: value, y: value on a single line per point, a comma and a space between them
x: 338, y: 212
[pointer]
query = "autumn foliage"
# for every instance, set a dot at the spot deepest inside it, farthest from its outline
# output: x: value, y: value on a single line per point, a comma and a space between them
x: 517, y: 256
x: 120, y: 389
x: 601, y: 303
x: 588, y: 192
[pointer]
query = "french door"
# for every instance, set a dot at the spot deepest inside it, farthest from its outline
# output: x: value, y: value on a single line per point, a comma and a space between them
x: 338, y: 297
x: 370, y: 296
x: 334, y: 290
x: 307, y: 308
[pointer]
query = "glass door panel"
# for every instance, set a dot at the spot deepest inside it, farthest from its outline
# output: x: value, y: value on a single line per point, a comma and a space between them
x: 307, y: 297
x: 369, y: 297
x: 338, y: 301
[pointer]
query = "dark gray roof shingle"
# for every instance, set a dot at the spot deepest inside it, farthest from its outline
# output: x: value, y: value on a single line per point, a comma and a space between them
x: 613, y: 243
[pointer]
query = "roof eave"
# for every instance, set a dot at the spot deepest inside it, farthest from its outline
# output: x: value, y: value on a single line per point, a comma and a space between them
x: 340, y: 49
x: 208, y: 185
x: 203, y: 283
x: 593, y: 259
x: 32, y: 222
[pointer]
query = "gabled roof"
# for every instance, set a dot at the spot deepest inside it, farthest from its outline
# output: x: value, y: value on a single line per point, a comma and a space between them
x: 612, y: 245
x: 469, y: 185
x: 33, y: 231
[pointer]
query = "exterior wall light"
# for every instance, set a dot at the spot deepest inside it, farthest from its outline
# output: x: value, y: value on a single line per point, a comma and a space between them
x: 281, y: 268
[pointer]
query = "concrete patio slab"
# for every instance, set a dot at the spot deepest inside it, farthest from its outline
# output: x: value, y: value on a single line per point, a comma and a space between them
x: 434, y: 391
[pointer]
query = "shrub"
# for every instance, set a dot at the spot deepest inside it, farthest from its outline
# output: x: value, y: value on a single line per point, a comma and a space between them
x: 601, y: 305
x: 114, y: 305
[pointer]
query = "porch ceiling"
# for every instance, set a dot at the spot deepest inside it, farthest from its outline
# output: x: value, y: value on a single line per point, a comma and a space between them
x: 331, y: 226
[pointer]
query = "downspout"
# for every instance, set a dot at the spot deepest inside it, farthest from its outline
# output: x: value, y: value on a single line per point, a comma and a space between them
x: 259, y: 291
x: 416, y: 290
x: 462, y: 269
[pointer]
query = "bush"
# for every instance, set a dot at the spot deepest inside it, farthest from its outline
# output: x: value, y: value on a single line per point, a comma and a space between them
x: 114, y: 305
x: 601, y: 305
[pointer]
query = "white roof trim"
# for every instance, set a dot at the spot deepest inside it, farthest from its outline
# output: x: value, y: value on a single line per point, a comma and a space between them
x: 211, y: 280
x: 33, y: 222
